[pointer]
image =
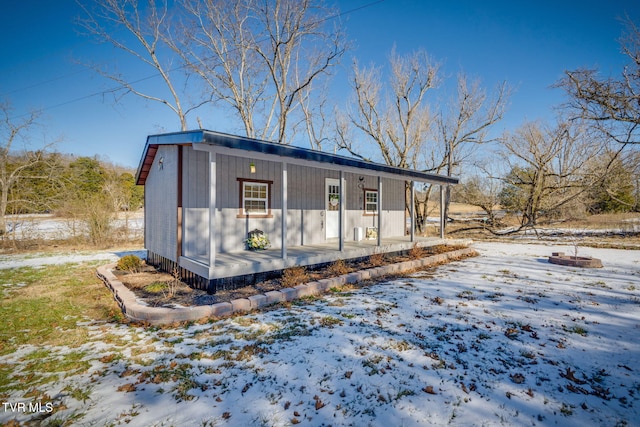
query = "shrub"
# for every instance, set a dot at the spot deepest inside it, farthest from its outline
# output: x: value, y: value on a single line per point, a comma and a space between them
x: 130, y: 263
x: 338, y: 268
x: 416, y: 252
x: 294, y: 276
x: 376, y: 260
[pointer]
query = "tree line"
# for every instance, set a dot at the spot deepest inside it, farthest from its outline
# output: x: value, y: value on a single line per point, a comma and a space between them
x: 268, y: 64
x: 87, y: 191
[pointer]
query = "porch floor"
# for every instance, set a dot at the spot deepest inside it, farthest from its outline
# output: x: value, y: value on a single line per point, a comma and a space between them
x: 250, y: 262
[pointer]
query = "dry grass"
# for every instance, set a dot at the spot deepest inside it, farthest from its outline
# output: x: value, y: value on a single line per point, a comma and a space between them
x: 294, y: 276
x: 376, y: 260
x: 604, y: 221
x: 141, y: 279
x: 416, y: 252
x: 338, y: 268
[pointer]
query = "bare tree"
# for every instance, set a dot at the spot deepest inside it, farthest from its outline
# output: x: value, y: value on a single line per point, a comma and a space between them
x: 313, y: 105
x: 481, y: 190
x: 394, y: 118
x: 402, y: 127
x: 464, y: 124
x: 611, y: 104
x: 551, y: 167
x: 397, y: 122
x: 260, y: 57
x: 16, y: 163
x: 144, y: 38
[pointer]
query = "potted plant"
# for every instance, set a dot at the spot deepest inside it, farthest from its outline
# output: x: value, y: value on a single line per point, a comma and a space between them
x: 257, y: 240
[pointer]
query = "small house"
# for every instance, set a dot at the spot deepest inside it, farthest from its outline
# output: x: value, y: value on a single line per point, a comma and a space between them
x: 228, y: 210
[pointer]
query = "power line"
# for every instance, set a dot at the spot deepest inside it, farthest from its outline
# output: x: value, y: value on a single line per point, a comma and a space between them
x: 154, y: 75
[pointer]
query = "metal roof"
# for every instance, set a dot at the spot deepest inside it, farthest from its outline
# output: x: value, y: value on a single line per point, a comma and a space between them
x: 269, y: 148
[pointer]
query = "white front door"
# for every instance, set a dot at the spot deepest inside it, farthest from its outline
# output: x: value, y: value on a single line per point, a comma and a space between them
x: 332, y: 207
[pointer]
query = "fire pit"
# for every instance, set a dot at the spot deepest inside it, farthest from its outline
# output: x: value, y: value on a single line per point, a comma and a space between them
x: 574, y: 261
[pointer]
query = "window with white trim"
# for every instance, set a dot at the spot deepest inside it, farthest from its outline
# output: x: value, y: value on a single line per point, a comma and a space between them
x: 370, y: 202
x: 255, y: 198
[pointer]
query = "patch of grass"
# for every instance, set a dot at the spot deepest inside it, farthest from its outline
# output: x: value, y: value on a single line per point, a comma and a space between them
x: 156, y: 288
x: 78, y: 393
x: 577, y: 330
x: 248, y: 351
x: 372, y: 364
x: 46, y: 310
x: 566, y: 410
x: 330, y: 322
x: 42, y: 367
x: 466, y: 295
x: 6, y: 372
x: 70, y: 363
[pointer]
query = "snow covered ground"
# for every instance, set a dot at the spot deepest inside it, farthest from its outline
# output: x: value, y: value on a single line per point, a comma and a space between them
x: 49, y: 227
x: 502, y: 339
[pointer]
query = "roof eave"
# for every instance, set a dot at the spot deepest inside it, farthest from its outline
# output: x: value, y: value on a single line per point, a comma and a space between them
x: 270, y: 148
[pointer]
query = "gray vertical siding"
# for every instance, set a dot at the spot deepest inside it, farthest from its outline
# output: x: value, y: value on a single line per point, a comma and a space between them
x: 234, y: 230
x: 161, y: 203
x: 393, y: 216
x: 306, y: 205
x: 195, y: 202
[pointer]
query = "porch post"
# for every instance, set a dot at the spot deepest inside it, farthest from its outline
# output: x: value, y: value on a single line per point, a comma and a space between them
x: 341, y: 214
x: 283, y: 228
x: 212, y: 210
x: 412, y: 209
x: 180, y: 229
x: 379, y: 210
x: 442, y: 218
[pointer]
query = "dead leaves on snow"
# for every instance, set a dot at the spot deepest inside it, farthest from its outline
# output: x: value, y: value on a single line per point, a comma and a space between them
x: 319, y: 403
x: 127, y: 388
x: 596, y: 390
x: 517, y: 378
x: 569, y: 374
x: 429, y: 389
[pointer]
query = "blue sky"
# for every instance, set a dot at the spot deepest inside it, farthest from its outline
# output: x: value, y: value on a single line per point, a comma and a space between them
x: 527, y: 44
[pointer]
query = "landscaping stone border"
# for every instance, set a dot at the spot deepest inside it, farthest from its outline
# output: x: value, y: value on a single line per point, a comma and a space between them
x: 136, y: 310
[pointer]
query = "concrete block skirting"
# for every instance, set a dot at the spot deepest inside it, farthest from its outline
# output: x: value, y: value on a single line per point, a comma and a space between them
x: 136, y: 310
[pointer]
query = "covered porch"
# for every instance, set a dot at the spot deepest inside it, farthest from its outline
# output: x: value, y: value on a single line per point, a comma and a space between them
x: 252, y: 263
